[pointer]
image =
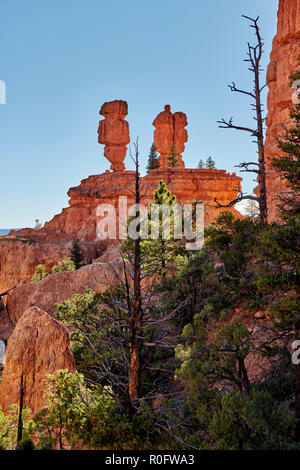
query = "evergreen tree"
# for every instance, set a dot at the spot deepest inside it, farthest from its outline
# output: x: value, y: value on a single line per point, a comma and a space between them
x: 282, y: 242
x: 38, y: 224
x: 173, y: 160
x: 153, y: 161
x: 76, y: 254
x: 67, y: 264
x: 157, y: 252
x: 39, y: 273
x: 162, y: 195
x: 162, y: 249
x: 210, y: 163
x: 201, y: 164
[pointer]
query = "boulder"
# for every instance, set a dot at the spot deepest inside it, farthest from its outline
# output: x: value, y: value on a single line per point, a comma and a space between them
x: 38, y: 346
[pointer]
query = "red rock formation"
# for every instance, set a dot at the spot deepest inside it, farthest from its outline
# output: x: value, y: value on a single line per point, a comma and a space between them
x: 55, y: 289
x: 19, y: 254
x: 170, y: 130
x: 38, y: 346
x: 180, y: 134
x: 21, y: 251
x: 114, y: 133
x: 283, y: 61
x: 188, y: 185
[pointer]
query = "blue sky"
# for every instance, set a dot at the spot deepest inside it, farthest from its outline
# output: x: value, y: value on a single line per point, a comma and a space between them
x: 61, y: 59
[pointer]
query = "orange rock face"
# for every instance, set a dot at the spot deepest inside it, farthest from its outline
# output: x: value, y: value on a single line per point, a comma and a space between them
x: 20, y: 253
x: 55, y: 289
x: 188, y: 185
x: 38, y: 346
x: 283, y: 61
x: 170, y: 130
x: 113, y: 132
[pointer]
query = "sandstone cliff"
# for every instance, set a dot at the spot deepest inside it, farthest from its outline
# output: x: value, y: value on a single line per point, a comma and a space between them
x: 22, y: 251
x: 283, y: 61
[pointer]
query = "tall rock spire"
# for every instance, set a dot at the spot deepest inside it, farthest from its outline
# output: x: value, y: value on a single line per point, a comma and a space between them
x: 283, y: 61
x: 113, y: 132
x: 170, y: 130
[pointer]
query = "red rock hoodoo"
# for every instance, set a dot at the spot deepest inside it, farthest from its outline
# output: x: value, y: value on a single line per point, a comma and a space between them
x: 283, y: 61
x: 170, y: 130
x: 114, y: 133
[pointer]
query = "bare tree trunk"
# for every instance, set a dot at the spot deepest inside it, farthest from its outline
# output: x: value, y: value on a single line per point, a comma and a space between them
x: 255, y: 61
x: 135, y: 322
x: 254, y: 57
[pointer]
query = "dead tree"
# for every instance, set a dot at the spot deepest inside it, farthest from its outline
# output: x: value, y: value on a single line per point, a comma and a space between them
x: 254, y: 57
x: 136, y: 313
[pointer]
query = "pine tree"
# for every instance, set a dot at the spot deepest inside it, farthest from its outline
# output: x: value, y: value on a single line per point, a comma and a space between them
x: 76, y: 254
x: 38, y: 224
x: 201, y: 164
x: 153, y: 161
x: 173, y: 161
x: 210, y: 163
x: 162, y: 195
x: 39, y: 273
x: 158, y: 249
x: 162, y: 249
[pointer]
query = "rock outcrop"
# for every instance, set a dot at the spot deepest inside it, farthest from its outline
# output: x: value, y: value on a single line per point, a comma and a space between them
x: 170, y: 131
x: 188, y: 185
x: 6, y: 325
x: 57, y: 288
x: 22, y: 251
x: 38, y: 346
x: 283, y: 61
x: 113, y: 132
